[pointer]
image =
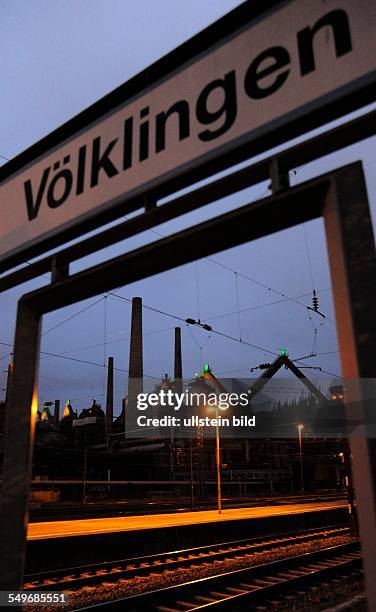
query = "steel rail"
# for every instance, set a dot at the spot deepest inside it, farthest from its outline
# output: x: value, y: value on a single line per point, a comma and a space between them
x: 242, y: 588
x: 84, y: 575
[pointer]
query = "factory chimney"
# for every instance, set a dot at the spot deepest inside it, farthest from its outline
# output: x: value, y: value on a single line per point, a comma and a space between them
x: 178, y: 366
x: 110, y: 396
x: 135, y: 381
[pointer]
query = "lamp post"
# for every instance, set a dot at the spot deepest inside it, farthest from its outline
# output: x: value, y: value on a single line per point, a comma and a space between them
x: 300, y: 427
x: 207, y: 375
x: 191, y: 467
x: 218, y: 462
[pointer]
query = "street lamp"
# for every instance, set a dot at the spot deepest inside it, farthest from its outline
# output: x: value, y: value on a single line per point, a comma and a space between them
x: 300, y: 427
x: 208, y: 375
x: 218, y: 461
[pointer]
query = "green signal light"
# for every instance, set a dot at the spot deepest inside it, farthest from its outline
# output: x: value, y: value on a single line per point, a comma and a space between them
x: 206, y: 368
x: 282, y: 352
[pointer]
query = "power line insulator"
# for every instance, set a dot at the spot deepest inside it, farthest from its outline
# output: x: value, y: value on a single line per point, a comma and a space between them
x: 315, y: 301
x: 264, y: 366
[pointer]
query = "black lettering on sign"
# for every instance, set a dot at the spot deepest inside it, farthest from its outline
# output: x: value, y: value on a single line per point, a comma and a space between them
x: 102, y: 161
x: 31, y: 205
x: 181, y: 108
x: 63, y: 182
x: 150, y: 131
x: 228, y: 109
x: 128, y: 143
x: 81, y: 170
x: 339, y: 23
x: 281, y: 58
x: 144, y: 135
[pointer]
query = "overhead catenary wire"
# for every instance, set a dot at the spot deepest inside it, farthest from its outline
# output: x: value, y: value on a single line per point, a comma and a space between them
x: 315, y: 329
x: 75, y: 359
x: 258, y: 306
x: 263, y: 285
x: 308, y: 255
x: 221, y: 334
x: 245, y: 276
x: 294, y: 360
x: 105, y: 341
x: 73, y: 316
x: 238, y: 304
x: 145, y: 306
x: 197, y: 290
x: 315, y: 300
x: 218, y: 333
x: 183, y: 320
x: 100, y: 344
x: 105, y: 329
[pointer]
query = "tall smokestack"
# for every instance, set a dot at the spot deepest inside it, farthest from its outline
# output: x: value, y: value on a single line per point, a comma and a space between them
x: 56, y: 412
x: 110, y: 396
x: 135, y: 383
x: 178, y: 366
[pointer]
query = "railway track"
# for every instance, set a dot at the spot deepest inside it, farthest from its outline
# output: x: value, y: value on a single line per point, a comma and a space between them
x: 245, y: 589
x: 93, y: 574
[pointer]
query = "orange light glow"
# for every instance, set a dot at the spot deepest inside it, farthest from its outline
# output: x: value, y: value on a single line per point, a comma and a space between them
x: 34, y: 405
x: 79, y: 527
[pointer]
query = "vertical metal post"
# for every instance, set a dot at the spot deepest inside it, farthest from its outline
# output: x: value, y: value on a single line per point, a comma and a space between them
x: 178, y: 388
x: 352, y: 260
x: 18, y: 447
x: 300, y: 427
x: 218, y: 463
x: 7, y: 390
x: 191, y: 468
x: 9, y: 381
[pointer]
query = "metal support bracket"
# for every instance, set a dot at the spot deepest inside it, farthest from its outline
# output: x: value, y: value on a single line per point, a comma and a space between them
x: 59, y: 270
x: 280, y: 180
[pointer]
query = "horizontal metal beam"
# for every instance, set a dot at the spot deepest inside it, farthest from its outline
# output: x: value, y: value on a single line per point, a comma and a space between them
x: 275, y: 213
x: 333, y: 140
x: 153, y: 217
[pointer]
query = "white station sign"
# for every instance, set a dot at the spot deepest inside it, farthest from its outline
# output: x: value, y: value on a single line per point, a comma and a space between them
x: 295, y: 58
